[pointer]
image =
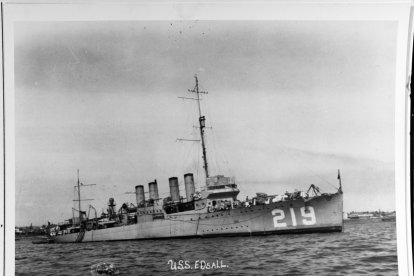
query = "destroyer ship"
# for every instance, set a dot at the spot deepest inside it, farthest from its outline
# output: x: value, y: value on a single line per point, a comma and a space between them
x: 211, y: 211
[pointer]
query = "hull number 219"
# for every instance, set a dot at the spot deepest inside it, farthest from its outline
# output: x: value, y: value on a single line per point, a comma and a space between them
x: 307, y: 213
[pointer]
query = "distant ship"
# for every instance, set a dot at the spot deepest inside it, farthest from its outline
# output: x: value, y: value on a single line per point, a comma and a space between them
x: 211, y: 211
x: 388, y: 218
x: 353, y: 216
x: 360, y: 216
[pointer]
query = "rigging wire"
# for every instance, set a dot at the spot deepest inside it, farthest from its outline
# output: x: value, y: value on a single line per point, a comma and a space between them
x: 223, y: 156
x: 219, y: 153
x: 308, y: 168
x: 198, y: 167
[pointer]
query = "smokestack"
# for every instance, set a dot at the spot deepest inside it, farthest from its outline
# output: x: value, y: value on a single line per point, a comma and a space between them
x: 153, y: 190
x: 174, y: 189
x: 189, y: 186
x: 139, y: 192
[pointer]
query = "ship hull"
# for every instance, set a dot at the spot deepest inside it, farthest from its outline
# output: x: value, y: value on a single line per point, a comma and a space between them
x: 318, y: 214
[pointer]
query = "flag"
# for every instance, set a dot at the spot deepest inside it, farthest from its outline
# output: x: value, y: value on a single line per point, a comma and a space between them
x: 339, y: 175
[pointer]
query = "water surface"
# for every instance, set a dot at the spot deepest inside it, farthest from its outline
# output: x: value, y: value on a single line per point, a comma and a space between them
x: 367, y: 247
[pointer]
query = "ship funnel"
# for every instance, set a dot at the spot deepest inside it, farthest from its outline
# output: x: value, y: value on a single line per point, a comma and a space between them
x: 139, y: 192
x: 153, y: 190
x: 174, y: 189
x: 189, y: 186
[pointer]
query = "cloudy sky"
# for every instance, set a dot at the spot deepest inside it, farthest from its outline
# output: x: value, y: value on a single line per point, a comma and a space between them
x: 289, y: 103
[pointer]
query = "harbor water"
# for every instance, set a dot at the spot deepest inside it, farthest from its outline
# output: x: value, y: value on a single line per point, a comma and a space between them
x: 366, y: 247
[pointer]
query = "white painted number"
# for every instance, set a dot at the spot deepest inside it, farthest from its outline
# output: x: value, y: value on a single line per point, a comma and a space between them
x: 309, y: 215
x: 278, y: 215
x: 292, y: 214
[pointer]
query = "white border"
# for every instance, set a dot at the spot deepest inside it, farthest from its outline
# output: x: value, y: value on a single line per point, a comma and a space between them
x: 2, y: 213
x: 304, y: 10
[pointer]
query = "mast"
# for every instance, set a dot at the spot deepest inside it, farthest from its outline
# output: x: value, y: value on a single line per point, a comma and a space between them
x: 79, y: 199
x: 340, y: 183
x: 78, y: 185
x: 202, y: 122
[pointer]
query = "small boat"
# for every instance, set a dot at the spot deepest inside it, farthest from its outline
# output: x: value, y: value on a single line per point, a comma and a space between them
x: 388, y: 218
x: 43, y: 241
x: 353, y: 216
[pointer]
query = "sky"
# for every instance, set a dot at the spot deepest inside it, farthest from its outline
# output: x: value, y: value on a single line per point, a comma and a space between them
x: 289, y: 103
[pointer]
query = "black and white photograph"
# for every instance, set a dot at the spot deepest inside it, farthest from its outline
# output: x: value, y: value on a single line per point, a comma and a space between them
x: 206, y: 139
